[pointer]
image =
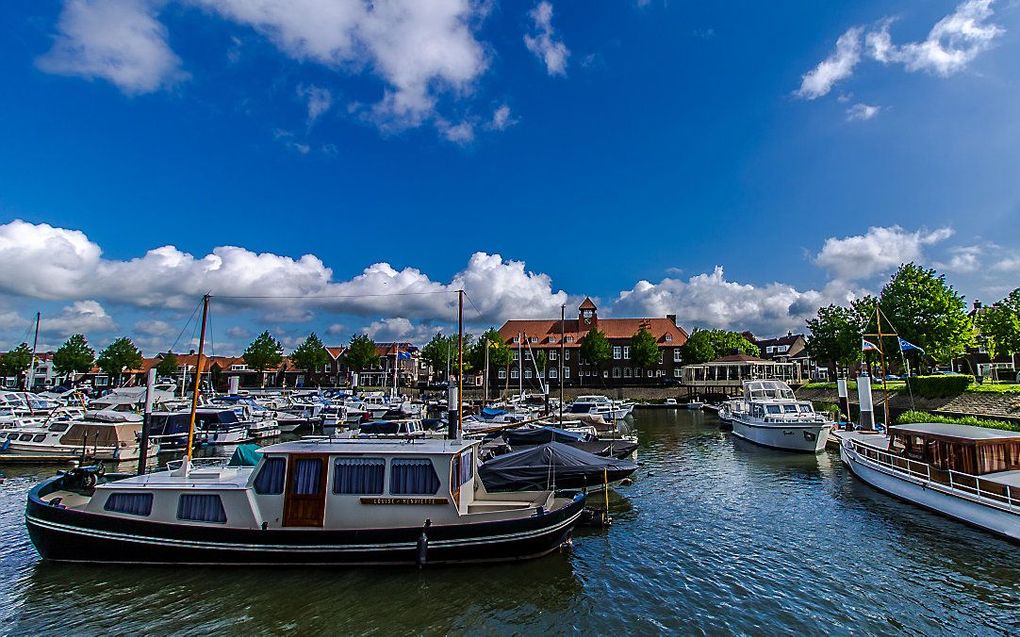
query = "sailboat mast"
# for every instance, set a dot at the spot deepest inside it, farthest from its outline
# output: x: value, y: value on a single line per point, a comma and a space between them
x: 198, y: 378
x: 30, y: 379
x: 460, y: 363
x: 563, y: 331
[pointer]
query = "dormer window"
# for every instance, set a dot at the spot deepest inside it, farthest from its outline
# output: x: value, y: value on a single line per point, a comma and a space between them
x: 669, y: 338
x: 568, y: 339
x: 516, y: 339
x: 533, y: 339
x: 552, y: 339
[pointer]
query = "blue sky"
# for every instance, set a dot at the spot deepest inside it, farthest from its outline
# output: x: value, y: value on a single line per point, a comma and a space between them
x: 737, y: 165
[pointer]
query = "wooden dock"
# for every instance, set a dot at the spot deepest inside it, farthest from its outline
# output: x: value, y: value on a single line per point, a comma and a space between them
x: 19, y: 459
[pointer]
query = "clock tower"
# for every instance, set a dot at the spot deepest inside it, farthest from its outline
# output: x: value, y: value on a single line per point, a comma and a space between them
x: 587, y: 315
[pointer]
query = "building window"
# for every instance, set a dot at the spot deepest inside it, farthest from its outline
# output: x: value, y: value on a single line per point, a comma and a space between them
x: 553, y: 373
x: 660, y: 356
x: 238, y: 368
x: 626, y: 352
x: 617, y: 351
x: 566, y: 373
x: 783, y: 349
x: 325, y: 368
x: 770, y: 349
x: 501, y: 374
x: 201, y: 507
x: 626, y: 372
x: 516, y: 339
x: 270, y: 478
x: 616, y: 372
x: 413, y: 476
x: 669, y: 338
x: 359, y: 476
x: 130, y: 503
x: 552, y: 339
x: 566, y: 355
x: 676, y: 372
x: 517, y: 354
x: 568, y: 339
x: 527, y: 374
x: 533, y: 340
x: 514, y: 373
x: 102, y: 381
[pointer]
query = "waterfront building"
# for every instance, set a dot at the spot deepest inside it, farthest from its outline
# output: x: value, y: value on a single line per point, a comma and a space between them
x: 404, y: 356
x: 791, y: 348
x: 726, y: 375
x: 537, y: 345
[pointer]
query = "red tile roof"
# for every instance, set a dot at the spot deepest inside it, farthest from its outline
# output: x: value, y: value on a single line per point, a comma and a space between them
x: 548, y: 331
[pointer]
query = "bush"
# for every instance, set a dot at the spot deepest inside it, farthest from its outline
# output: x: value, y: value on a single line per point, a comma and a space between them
x: 923, y: 416
x: 940, y: 386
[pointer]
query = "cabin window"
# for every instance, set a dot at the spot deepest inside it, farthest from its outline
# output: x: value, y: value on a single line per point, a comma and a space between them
x: 59, y: 426
x: 130, y: 503
x: 464, y: 467
x: 270, y: 478
x: 413, y: 476
x: 359, y: 476
x: 25, y: 437
x: 308, y: 473
x: 39, y: 438
x: 201, y: 507
x: 772, y: 409
x: 790, y: 409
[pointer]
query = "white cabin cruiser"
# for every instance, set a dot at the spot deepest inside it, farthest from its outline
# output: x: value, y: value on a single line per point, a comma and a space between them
x: 968, y: 473
x: 112, y: 441
x: 770, y: 415
x: 323, y: 502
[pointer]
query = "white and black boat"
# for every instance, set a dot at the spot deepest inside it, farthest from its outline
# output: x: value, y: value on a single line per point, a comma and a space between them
x: 968, y: 473
x: 771, y: 416
x: 324, y: 502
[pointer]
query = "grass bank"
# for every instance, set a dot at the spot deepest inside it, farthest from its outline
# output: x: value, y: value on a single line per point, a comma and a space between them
x: 923, y: 416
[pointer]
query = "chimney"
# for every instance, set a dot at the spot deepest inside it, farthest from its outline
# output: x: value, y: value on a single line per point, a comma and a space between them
x: 977, y: 304
x: 672, y: 319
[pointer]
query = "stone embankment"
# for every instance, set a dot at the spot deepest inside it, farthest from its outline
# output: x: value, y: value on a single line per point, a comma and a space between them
x: 977, y: 404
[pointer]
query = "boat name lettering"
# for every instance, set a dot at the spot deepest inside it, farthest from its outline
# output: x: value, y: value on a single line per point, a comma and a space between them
x: 427, y: 501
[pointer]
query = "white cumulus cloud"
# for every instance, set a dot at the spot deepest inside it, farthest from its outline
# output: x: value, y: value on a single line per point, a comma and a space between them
x: 838, y: 66
x: 542, y: 41
x: 879, y: 250
x: 120, y: 41
x: 861, y: 112
x: 83, y: 317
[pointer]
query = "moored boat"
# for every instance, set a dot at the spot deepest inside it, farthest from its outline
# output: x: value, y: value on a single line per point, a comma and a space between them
x: 770, y: 415
x: 328, y: 502
x: 968, y: 473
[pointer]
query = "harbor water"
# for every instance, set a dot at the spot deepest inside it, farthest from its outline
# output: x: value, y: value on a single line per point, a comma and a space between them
x: 714, y: 537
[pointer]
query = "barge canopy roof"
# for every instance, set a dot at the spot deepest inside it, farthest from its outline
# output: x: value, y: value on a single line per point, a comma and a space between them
x: 357, y: 446
x: 957, y: 432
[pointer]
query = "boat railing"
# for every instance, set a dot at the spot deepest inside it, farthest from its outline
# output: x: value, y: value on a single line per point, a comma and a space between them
x: 989, y: 491
x: 198, y: 463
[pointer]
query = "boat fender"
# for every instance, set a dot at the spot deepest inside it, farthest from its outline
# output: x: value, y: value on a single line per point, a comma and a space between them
x: 265, y: 525
x: 423, y: 545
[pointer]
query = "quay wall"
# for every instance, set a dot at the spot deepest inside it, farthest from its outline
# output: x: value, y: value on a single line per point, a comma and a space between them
x: 977, y: 404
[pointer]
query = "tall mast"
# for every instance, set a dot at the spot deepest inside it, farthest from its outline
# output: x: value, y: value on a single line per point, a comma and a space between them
x: 198, y: 378
x: 881, y: 353
x: 563, y: 330
x: 520, y: 363
x: 30, y: 379
x: 485, y: 379
x: 460, y: 362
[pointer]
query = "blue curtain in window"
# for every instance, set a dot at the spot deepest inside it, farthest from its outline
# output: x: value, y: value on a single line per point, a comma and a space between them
x: 362, y: 476
x: 269, y: 481
x: 467, y: 466
x: 413, y: 477
x: 132, y: 503
x: 201, y: 508
x: 307, y: 472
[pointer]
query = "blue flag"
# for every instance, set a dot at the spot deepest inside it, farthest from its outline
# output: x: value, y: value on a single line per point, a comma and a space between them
x: 906, y: 346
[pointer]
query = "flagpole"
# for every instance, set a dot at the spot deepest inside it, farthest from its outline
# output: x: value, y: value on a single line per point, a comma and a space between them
x: 881, y: 353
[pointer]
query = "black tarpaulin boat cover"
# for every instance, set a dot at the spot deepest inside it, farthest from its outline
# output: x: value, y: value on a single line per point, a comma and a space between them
x: 540, y: 435
x: 552, y: 463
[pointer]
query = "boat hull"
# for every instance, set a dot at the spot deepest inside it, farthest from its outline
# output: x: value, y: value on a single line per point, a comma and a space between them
x: 931, y: 497
x: 75, y: 536
x: 809, y: 438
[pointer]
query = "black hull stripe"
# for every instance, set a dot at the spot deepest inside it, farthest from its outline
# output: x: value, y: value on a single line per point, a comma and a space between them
x: 298, y: 548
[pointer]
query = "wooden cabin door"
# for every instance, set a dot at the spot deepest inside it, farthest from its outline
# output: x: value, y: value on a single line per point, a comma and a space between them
x: 305, y: 501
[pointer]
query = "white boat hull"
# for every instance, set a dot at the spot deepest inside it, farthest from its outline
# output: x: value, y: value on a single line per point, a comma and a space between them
x: 807, y: 437
x: 933, y: 496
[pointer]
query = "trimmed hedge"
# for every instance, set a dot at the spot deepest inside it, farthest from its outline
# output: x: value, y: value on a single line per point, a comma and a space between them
x: 923, y: 416
x: 940, y: 386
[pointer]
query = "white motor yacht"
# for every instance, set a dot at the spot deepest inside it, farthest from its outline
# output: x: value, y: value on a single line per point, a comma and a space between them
x: 770, y: 415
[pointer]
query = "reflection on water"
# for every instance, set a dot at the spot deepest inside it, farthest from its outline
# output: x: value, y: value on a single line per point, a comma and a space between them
x: 715, y: 536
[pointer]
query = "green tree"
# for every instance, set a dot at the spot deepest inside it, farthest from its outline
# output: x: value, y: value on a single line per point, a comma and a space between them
x: 644, y: 350
x: 1000, y: 325
x: 927, y: 312
x: 310, y: 355
x: 74, y: 356
x: 361, y: 353
x: 440, y: 351
x: 707, y: 345
x: 168, y: 366
x: 835, y: 336
x: 595, y: 348
x: 16, y: 361
x: 119, y: 356
x: 263, y: 353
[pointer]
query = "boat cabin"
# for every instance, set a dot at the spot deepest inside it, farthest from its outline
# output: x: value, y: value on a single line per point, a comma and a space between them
x: 963, y: 448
